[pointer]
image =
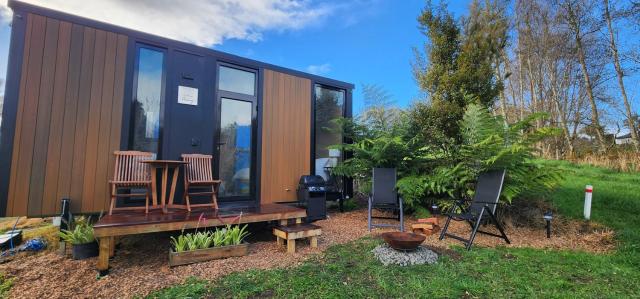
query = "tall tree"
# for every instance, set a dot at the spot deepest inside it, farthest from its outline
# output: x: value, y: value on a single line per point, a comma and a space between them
x: 458, y: 65
x: 462, y: 55
x: 620, y: 74
x: 577, y: 15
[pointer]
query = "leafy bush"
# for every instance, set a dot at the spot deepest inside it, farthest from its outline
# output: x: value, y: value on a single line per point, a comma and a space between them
x: 488, y: 143
x: 376, y: 143
x: 82, y: 233
x: 429, y: 172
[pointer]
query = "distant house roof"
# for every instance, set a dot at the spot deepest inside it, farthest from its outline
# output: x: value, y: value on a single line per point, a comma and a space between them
x: 625, y: 136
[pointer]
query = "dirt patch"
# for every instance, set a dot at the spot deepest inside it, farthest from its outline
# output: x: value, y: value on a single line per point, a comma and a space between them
x: 141, y: 262
x: 444, y: 251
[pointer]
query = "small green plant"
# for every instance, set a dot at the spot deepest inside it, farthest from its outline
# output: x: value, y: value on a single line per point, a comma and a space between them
x: 82, y: 233
x: 180, y: 244
x: 349, y: 204
x: 219, y: 237
x: 5, y: 284
x: 229, y: 235
x: 236, y: 234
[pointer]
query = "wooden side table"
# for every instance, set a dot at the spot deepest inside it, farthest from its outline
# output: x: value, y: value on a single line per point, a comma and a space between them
x: 297, y: 231
x: 164, y: 165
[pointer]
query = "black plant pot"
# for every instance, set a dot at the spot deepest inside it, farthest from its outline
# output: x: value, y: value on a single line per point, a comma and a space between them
x: 84, y: 251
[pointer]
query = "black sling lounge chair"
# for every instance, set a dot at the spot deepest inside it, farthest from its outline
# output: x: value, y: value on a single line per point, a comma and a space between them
x: 484, y: 203
x: 384, y: 196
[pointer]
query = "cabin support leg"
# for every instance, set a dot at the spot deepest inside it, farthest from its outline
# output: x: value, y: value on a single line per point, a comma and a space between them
x: 112, y: 247
x: 103, y: 256
x: 280, y: 241
x: 314, y: 242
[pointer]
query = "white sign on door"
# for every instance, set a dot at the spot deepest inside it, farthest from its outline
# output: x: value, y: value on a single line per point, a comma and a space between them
x: 187, y: 95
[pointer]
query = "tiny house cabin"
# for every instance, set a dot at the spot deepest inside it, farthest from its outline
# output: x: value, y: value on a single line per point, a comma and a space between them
x: 77, y: 90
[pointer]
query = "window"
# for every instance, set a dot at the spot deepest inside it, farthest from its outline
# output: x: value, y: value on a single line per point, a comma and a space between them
x: 236, y: 80
x: 235, y: 147
x: 148, y: 94
x: 329, y: 104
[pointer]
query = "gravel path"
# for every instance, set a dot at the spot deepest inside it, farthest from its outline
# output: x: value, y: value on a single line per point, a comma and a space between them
x: 140, y: 264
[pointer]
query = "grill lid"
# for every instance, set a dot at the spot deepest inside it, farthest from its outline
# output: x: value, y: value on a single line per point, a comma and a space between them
x: 311, y: 180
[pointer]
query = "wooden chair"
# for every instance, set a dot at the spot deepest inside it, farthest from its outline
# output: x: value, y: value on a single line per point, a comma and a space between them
x: 131, y: 174
x: 198, y: 174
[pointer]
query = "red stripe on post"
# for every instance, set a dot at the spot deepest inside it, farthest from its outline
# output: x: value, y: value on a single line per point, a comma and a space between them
x: 588, y: 190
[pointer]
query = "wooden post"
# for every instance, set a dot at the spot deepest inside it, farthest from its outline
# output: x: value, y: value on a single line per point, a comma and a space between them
x: 314, y: 242
x: 291, y: 246
x: 176, y: 171
x: 103, y: 256
x: 112, y: 247
x: 298, y: 220
x: 62, y: 248
x: 280, y: 241
x: 154, y: 186
x: 165, y: 177
x: 284, y: 222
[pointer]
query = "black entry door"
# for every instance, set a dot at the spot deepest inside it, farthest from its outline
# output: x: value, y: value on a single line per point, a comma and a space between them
x: 236, y: 101
x: 190, y: 106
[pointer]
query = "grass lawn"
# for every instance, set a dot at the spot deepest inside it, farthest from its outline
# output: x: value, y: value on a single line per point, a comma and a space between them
x: 350, y: 270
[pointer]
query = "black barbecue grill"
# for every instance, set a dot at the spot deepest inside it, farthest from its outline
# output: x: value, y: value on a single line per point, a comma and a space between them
x: 312, y: 193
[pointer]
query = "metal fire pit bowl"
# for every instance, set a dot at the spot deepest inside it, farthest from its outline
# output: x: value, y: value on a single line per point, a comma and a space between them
x: 403, y: 241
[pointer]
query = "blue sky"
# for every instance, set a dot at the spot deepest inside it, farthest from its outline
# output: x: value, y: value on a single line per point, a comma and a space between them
x: 370, y: 45
x: 358, y: 41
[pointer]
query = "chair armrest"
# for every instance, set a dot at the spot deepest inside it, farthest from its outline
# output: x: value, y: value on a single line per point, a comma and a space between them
x: 477, y: 201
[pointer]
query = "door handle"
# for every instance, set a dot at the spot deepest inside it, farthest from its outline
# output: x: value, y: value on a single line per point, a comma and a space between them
x: 187, y: 76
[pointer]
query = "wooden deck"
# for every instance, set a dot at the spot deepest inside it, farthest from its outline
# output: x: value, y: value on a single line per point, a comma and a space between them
x: 137, y: 222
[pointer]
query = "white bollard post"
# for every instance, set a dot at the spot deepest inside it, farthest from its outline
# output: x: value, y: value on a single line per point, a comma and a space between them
x: 587, y: 202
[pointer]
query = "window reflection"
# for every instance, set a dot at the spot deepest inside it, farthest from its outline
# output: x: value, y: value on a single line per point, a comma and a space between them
x: 146, y: 105
x: 235, y: 147
x: 329, y: 105
x: 236, y: 80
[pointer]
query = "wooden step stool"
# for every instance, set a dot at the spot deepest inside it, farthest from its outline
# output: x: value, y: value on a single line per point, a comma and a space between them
x: 297, y: 231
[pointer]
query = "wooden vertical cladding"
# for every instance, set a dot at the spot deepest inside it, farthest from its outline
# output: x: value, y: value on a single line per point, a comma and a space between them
x: 286, y: 135
x: 69, y: 117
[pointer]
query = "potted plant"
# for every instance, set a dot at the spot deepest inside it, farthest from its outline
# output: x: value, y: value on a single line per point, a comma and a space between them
x: 208, y: 245
x: 81, y: 237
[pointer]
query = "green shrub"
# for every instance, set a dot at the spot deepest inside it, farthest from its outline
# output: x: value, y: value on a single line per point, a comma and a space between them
x: 488, y: 143
x: 82, y: 233
x: 349, y: 204
x: 429, y: 173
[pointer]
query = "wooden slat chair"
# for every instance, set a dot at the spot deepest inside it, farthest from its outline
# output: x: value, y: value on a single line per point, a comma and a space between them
x: 198, y: 174
x: 131, y: 174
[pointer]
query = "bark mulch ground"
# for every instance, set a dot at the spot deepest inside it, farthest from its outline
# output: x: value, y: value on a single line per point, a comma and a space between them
x: 140, y: 264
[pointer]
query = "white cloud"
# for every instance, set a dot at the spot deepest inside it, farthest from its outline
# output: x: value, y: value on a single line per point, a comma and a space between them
x: 319, y: 69
x: 204, y: 23
x: 5, y: 12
